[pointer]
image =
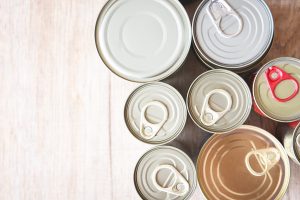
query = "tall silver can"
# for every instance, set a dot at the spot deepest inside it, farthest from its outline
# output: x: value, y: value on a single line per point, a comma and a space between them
x: 233, y: 35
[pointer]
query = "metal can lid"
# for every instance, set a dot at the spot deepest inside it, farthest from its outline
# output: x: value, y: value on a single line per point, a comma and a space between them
x: 219, y: 101
x: 276, y: 89
x: 232, y: 34
x: 155, y: 113
x: 165, y: 173
x: 247, y: 163
x: 143, y: 40
x: 296, y: 142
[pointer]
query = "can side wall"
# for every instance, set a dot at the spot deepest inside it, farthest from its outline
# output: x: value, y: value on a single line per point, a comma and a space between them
x: 286, y: 135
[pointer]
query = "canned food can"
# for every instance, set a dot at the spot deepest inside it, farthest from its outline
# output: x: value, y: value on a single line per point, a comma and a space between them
x: 247, y: 163
x: 143, y: 40
x: 291, y: 141
x: 155, y: 113
x: 276, y: 89
x: 219, y: 101
x: 165, y: 172
x: 233, y: 35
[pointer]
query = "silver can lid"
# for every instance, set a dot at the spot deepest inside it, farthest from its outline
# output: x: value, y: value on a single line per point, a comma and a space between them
x: 276, y: 89
x: 219, y: 101
x: 232, y: 34
x: 165, y: 173
x: 155, y: 113
x: 143, y: 40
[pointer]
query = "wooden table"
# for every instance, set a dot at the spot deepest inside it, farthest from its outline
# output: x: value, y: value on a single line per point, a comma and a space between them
x: 62, y: 130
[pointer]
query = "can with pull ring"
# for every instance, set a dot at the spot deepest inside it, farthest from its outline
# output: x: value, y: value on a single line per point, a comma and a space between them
x: 246, y: 163
x: 233, y: 35
x: 276, y: 89
x: 165, y: 172
x: 155, y: 113
x: 219, y: 101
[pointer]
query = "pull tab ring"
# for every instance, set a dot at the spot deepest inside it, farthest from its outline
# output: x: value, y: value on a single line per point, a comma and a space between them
x: 208, y: 116
x: 267, y: 158
x: 149, y: 130
x: 217, y: 10
x: 275, y: 76
x: 179, y: 187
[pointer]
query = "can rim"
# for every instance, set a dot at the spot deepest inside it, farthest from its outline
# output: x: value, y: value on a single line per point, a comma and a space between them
x: 245, y: 115
x: 253, y: 89
x: 184, y: 119
x: 245, y: 66
x: 273, y: 139
x: 195, y: 181
x: 172, y: 69
x: 242, y: 70
x: 293, y: 146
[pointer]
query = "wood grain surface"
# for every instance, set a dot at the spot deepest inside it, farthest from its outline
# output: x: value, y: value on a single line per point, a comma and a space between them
x: 62, y: 133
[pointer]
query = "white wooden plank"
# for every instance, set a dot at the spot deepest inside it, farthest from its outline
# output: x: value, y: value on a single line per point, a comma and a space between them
x: 54, y: 116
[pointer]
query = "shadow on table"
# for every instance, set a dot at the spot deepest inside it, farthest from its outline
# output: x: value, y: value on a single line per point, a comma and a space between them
x: 192, y: 137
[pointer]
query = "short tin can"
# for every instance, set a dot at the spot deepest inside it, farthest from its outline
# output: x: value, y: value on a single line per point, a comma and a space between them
x: 219, y: 101
x: 247, y: 163
x: 291, y: 141
x: 143, y: 40
x: 155, y: 113
x: 165, y: 172
x: 276, y: 89
x: 233, y: 35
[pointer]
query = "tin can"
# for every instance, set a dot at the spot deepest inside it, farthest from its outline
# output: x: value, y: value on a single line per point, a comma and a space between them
x: 165, y: 172
x: 233, y: 35
x: 155, y: 113
x: 276, y: 89
x: 143, y: 40
x: 219, y: 101
x: 291, y: 142
x: 247, y: 163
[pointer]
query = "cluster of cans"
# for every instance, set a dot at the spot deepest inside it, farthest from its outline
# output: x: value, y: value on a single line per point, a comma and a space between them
x: 148, y: 40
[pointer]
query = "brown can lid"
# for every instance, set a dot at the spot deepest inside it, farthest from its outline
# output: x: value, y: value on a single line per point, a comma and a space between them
x: 247, y: 163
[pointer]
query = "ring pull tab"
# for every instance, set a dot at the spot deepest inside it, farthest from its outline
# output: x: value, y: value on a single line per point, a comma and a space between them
x: 218, y: 9
x: 274, y: 76
x: 149, y: 130
x: 179, y: 187
x: 208, y: 116
x: 267, y: 158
